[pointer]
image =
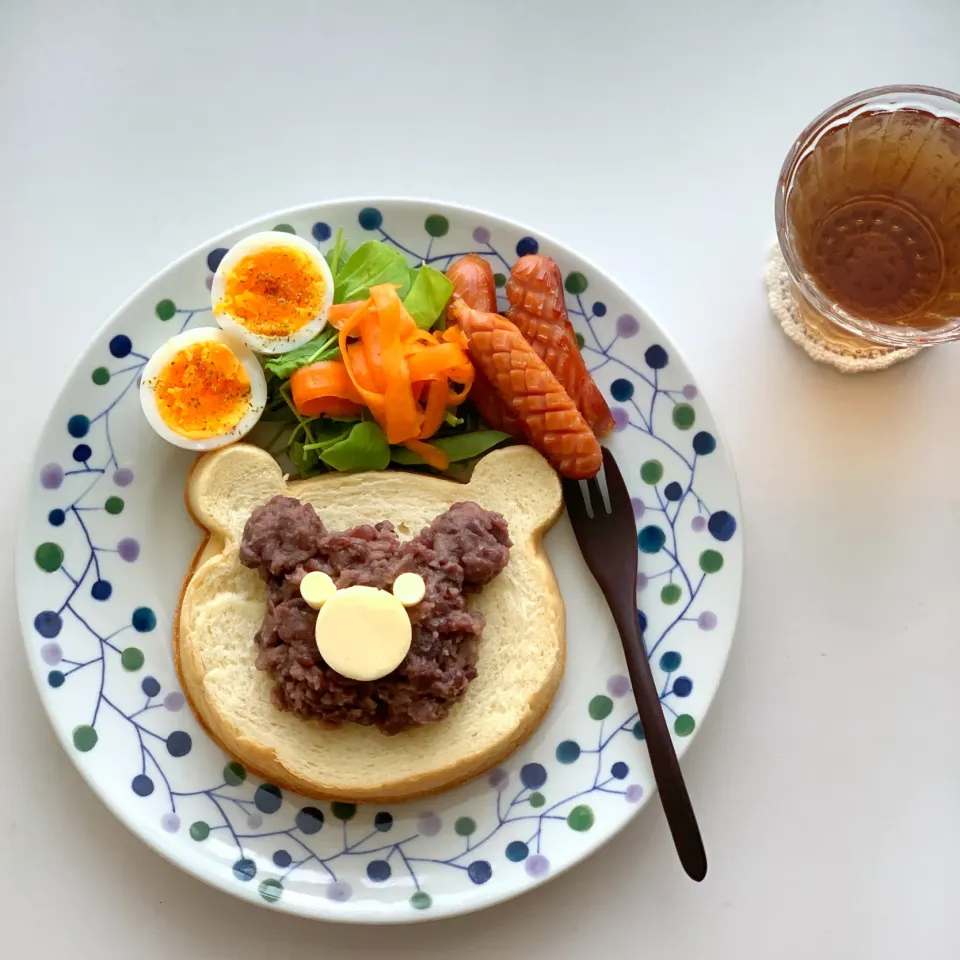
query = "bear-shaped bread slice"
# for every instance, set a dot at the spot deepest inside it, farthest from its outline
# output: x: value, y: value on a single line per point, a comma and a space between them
x: 521, y: 653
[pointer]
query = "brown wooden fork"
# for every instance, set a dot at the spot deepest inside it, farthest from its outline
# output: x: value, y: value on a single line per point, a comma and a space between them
x: 607, y: 534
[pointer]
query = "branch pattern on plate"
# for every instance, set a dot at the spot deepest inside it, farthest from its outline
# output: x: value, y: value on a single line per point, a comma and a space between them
x: 279, y: 840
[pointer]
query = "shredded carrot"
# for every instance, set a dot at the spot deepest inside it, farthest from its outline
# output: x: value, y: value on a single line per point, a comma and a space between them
x: 429, y: 454
x: 430, y: 364
x: 408, y: 326
x: 359, y: 370
x: 370, y: 339
x: 454, y: 335
x: 435, y: 410
x: 406, y: 377
x: 359, y: 373
x: 325, y: 388
x: 333, y: 407
x: 460, y: 383
x: 338, y: 312
x: 397, y: 389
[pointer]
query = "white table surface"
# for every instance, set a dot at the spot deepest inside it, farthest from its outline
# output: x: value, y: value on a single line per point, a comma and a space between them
x: 649, y: 136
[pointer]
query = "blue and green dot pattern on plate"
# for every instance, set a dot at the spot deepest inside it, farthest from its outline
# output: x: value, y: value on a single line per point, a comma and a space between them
x: 275, y: 840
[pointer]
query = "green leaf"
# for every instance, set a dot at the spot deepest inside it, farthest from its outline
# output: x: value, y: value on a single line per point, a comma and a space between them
x: 336, y: 256
x: 371, y: 263
x: 324, y: 432
x: 464, y: 419
x: 279, y: 407
x: 363, y: 448
x: 276, y: 409
x: 306, y: 462
x: 428, y: 295
x: 324, y: 346
x: 274, y: 437
x: 463, y: 446
x: 355, y: 419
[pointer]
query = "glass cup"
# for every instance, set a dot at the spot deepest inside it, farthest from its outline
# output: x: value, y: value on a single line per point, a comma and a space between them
x: 868, y: 218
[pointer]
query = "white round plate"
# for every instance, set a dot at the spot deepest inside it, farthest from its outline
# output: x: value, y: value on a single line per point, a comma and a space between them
x: 105, y: 541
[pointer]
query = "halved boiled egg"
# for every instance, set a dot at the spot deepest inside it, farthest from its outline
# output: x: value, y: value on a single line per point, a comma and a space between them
x: 272, y: 290
x: 203, y: 389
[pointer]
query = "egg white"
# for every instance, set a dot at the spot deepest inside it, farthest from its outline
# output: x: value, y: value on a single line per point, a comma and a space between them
x: 268, y: 240
x: 165, y: 354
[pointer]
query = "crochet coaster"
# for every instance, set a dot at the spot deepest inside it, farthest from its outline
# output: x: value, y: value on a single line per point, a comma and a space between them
x: 823, y: 341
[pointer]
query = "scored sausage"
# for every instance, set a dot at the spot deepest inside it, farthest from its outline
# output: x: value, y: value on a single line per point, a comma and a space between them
x: 473, y: 283
x: 538, y: 308
x: 525, y: 383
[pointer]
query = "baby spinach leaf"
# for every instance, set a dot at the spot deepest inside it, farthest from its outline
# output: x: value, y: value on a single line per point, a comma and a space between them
x: 279, y: 407
x: 322, y: 432
x: 371, y: 263
x: 363, y: 448
x: 323, y: 346
x: 354, y: 419
x: 428, y: 295
x: 336, y: 256
x: 276, y: 409
x: 464, y: 446
x: 306, y: 462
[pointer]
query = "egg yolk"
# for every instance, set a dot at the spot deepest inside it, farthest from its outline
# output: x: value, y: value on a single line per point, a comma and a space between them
x: 203, y: 392
x: 273, y: 292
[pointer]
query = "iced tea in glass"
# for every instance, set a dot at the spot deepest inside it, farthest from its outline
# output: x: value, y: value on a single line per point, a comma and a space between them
x: 868, y: 217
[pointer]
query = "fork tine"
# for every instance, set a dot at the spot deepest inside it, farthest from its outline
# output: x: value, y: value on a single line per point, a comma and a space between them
x: 596, y: 497
x: 602, y: 495
x: 616, y: 487
x: 604, y: 491
x: 573, y: 497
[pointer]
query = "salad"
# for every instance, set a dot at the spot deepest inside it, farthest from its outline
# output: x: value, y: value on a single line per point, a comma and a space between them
x: 354, y: 360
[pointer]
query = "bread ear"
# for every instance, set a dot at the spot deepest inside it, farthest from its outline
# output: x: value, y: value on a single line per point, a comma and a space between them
x: 228, y: 485
x: 500, y: 476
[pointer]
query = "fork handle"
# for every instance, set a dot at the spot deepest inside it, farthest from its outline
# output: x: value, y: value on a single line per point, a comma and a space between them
x: 663, y: 758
